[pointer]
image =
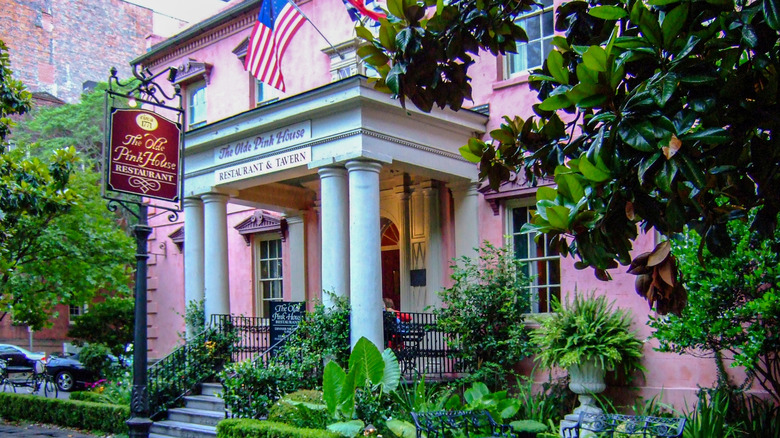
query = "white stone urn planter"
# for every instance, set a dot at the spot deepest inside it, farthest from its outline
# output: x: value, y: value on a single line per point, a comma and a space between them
x: 585, y: 380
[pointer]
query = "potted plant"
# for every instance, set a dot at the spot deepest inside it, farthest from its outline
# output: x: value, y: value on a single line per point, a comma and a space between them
x: 587, y: 337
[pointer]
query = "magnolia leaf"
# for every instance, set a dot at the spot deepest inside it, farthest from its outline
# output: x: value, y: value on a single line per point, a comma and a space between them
x: 772, y: 13
x: 591, y: 172
x: 364, y: 33
x: 708, y: 135
x: 559, y: 216
x: 608, y: 12
x: 465, y: 151
x: 671, y: 149
x: 556, y: 68
x: 659, y: 254
x: 547, y: 193
x: 595, y: 58
x: 556, y: 102
x: 673, y: 23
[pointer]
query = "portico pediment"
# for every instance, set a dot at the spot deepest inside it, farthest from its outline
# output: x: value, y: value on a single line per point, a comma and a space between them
x: 261, y: 222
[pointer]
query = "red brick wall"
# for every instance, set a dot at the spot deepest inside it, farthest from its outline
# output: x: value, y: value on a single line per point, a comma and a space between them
x: 57, y: 45
x: 49, y: 340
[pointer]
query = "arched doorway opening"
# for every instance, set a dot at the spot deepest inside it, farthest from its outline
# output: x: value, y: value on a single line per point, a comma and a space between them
x: 391, y: 262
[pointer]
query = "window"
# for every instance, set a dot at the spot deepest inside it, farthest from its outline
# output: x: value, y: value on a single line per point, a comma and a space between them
x: 74, y: 312
x: 265, y: 94
x: 196, y: 105
x: 539, y: 25
x: 542, y: 263
x: 268, y: 274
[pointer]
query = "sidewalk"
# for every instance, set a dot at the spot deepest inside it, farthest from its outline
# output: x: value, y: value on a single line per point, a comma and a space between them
x: 32, y: 431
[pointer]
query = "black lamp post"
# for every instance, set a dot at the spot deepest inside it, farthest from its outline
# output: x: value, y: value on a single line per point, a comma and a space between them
x: 146, y: 93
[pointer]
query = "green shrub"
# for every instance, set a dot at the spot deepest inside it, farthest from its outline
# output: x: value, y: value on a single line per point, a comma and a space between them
x: 247, y: 428
x: 252, y: 387
x: 66, y: 413
x: 87, y: 396
x: 301, y: 414
x: 95, y: 358
x: 485, y: 311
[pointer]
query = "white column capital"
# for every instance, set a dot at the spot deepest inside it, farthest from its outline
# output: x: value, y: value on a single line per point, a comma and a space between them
x: 209, y: 198
x: 363, y: 165
x: 332, y: 172
x: 192, y: 201
x: 293, y: 219
x: 470, y: 188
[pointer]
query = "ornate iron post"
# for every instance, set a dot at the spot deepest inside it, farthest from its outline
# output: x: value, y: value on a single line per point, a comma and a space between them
x: 130, y: 134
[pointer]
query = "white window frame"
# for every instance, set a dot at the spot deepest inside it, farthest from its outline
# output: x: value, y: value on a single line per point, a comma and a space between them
x: 196, y: 119
x: 532, y: 262
x: 75, y: 311
x: 263, y: 278
x: 509, y: 72
x: 264, y: 94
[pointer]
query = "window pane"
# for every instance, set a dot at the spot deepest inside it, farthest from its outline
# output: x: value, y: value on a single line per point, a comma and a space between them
x: 534, y: 54
x: 532, y: 28
x: 264, y: 249
x: 547, y: 23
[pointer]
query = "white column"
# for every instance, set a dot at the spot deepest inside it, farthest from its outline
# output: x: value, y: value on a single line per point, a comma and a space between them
x: 466, y: 205
x: 297, y: 237
x: 193, y: 253
x: 404, y: 242
x: 216, y: 251
x: 433, y: 257
x: 365, y: 279
x: 334, y: 229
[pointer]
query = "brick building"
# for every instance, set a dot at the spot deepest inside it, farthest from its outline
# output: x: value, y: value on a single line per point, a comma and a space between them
x: 58, y: 46
x: 58, y: 49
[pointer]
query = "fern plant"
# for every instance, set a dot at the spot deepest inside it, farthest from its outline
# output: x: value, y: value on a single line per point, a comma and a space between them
x: 588, y: 329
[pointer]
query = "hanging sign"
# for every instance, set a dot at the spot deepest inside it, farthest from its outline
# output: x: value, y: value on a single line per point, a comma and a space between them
x: 285, y: 316
x: 144, y: 155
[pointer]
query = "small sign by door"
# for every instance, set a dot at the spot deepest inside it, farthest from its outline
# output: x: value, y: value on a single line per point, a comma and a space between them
x: 285, y: 316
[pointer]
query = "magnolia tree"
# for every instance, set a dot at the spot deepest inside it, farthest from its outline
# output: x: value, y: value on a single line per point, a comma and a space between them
x: 657, y: 114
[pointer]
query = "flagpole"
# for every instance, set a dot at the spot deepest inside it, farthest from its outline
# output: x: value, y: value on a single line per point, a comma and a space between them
x: 292, y: 2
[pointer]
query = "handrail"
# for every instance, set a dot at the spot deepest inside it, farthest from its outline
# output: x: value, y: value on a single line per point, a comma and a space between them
x: 259, y: 360
x: 197, y: 360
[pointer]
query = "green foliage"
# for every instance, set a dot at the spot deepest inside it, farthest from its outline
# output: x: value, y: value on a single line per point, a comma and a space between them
x: 200, y: 359
x: 734, y: 304
x: 87, y: 396
x: 195, y: 315
x: 59, y: 244
x: 708, y: 419
x: 115, y: 389
x: 659, y: 114
x: 588, y: 329
x: 252, y: 387
x: 358, y: 397
x: 109, y: 322
x: 66, y: 413
x: 551, y: 403
x: 485, y: 310
x: 248, y: 428
x: 95, y: 358
x: 304, y: 408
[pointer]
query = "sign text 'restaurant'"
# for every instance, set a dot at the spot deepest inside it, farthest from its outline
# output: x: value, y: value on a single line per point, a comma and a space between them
x: 286, y: 160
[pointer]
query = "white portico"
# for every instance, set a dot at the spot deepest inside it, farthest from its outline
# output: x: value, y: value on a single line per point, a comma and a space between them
x: 382, y: 189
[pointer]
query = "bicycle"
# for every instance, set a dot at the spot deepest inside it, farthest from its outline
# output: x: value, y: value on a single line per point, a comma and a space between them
x: 38, y: 380
x: 5, y: 382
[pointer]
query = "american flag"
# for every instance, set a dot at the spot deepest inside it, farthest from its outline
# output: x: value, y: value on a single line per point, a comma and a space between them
x: 368, y: 8
x: 277, y: 23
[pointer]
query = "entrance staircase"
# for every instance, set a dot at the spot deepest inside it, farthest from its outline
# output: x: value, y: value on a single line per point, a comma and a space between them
x: 197, y: 419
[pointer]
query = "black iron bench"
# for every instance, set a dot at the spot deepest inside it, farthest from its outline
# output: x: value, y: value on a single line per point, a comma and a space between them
x: 467, y: 424
x: 607, y: 425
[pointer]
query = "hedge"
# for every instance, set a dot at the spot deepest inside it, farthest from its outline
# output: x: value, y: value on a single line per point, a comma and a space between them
x: 66, y: 413
x: 86, y: 396
x: 248, y: 428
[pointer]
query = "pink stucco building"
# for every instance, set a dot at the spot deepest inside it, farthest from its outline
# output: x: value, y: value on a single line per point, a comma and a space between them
x: 333, y: 186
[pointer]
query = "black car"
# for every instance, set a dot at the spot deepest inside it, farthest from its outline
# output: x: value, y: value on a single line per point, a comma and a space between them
x: 19, y: 358
x: 69, y: 372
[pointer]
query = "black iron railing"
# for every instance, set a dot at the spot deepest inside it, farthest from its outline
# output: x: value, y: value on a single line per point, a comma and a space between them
x: 252, y: 335
x: 420, y: 345
x: 201, y: 358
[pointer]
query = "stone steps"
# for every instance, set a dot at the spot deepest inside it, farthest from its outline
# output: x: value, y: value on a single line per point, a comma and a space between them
x: 197, y: 419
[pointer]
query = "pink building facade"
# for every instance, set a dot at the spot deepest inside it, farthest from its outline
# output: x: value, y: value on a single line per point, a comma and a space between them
x: 332, y: 186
